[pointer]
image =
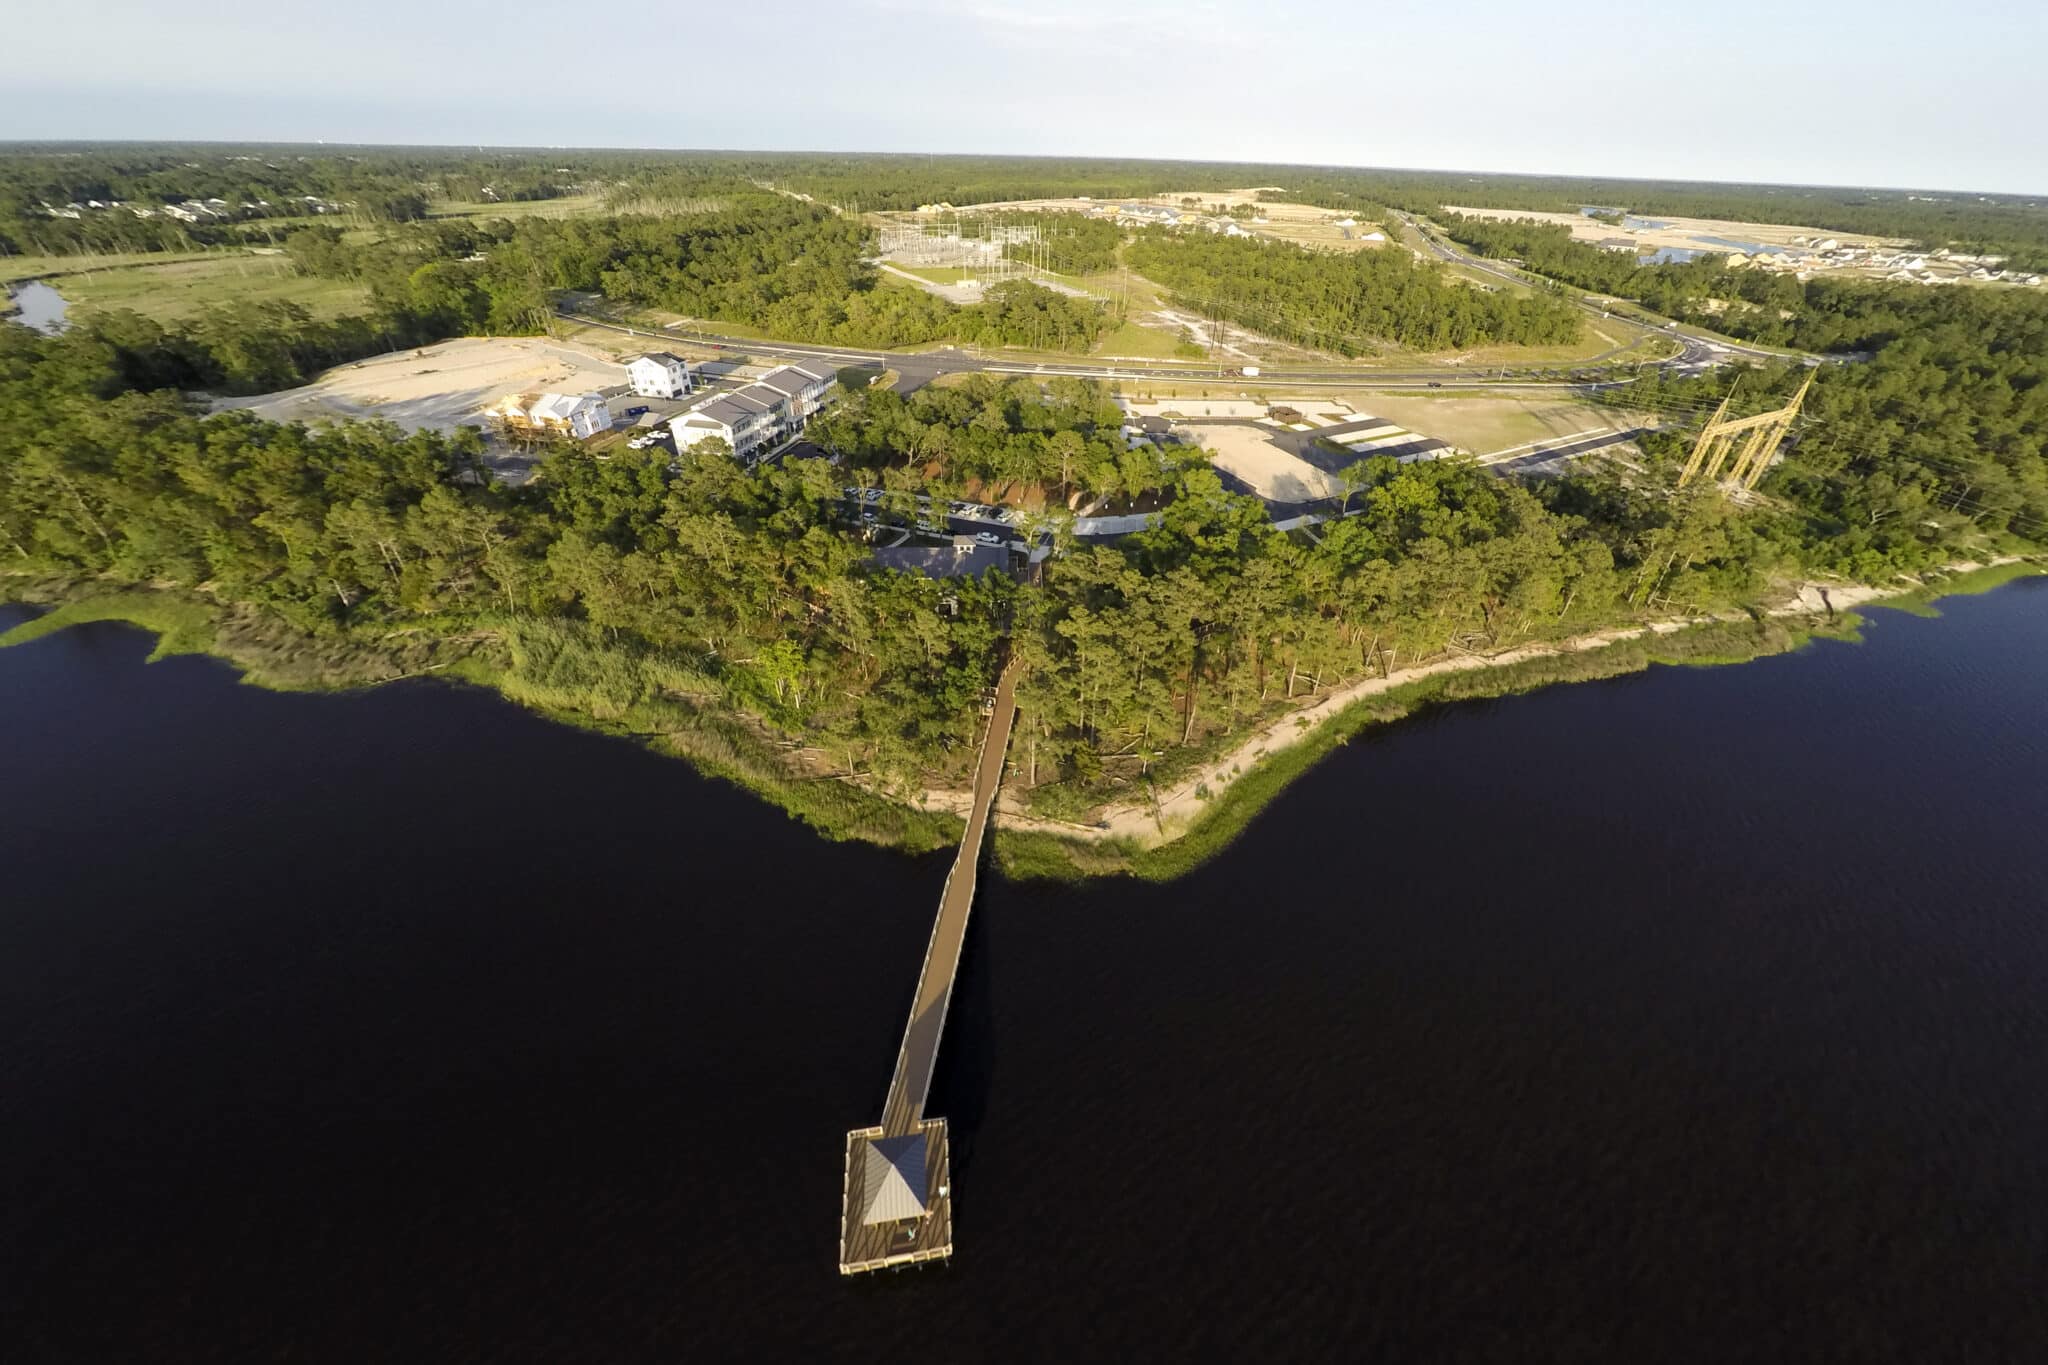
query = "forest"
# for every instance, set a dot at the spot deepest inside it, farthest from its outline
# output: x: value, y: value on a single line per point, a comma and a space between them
x: 695, y: 595
x: 1346, y: 303
x: 743, y: 256
x: 32, y: 175
x: 760, y: 261
x: 1941, y: 404
x: 262, y: 186
x: 642, y: 581
x: 745, y: 590
x: 997, y: 434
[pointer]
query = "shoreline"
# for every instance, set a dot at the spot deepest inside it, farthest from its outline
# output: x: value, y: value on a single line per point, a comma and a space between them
x: 1181, y: 804
x: 1146, y: 840
x: 1200, y: 814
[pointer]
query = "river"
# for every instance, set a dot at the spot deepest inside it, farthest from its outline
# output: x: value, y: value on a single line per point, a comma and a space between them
x: 37, y: 305
x: 1700, y: 1015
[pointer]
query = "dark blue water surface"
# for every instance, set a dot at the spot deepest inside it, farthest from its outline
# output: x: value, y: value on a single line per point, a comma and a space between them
x: 1695, y: 1016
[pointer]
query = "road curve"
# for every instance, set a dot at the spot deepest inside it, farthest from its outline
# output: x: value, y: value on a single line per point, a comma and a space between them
x: 1697, y: 350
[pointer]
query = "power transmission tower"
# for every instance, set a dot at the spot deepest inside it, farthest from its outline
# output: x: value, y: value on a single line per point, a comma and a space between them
x: 1717, y: 439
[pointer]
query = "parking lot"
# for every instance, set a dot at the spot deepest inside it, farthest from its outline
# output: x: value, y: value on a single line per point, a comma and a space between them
x: 992, y: 526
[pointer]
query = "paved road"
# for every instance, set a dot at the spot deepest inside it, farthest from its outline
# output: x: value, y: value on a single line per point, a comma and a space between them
x: 917, y: 370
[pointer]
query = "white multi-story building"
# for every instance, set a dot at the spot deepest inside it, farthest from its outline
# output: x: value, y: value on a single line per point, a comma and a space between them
x: 759, y: 416
x: 742, y: 420
x: 658, y: 375
x: 806, y: 388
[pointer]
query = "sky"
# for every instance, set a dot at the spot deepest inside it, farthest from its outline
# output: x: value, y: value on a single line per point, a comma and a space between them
x: 1877, y: 93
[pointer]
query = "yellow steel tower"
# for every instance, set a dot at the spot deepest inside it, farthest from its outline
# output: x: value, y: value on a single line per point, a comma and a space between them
x: 1717, y: 439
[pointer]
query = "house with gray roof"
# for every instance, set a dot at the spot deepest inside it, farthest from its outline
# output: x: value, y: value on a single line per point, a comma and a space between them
x: 805, y: 386
x: 761, y: 415
x: 964, y: 558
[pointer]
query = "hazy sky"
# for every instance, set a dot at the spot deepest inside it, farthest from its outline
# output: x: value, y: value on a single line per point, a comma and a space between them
x: 1874, y: 93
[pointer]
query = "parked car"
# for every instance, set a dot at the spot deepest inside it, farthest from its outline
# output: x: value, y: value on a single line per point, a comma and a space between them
x: 871, y: 495
x: 988, y: 537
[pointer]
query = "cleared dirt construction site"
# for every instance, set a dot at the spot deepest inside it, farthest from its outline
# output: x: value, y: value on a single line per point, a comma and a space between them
x: 439, y: 387
x: 1248, y: 452
x: 1484, y: 423
x: 1657, y: 231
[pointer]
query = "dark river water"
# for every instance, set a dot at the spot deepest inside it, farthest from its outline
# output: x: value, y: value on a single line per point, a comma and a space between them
x: 1694, y: 1016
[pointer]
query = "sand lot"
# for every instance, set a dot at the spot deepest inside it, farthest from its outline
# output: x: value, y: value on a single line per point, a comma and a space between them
x: 1484, y: 423
x: 1689, y: 233
x: 1303, y: 224
x: 442, y: 386
x: 1245, y: 452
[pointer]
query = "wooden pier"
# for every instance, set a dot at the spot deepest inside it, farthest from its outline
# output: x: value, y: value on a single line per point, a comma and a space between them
x: 896, y: 1196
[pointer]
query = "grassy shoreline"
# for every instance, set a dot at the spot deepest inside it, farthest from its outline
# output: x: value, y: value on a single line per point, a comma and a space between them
x: 552, y: 669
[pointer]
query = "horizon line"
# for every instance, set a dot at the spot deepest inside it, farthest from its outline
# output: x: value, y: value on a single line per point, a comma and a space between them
x: 11, y: 143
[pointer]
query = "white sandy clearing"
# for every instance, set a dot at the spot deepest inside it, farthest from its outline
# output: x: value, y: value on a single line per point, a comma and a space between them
x: 1271, y: 471
x: 1683, y: 232
x: 441, y: 386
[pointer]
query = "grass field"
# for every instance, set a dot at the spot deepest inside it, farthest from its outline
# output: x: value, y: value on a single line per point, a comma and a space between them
x: 1598, y: 338
x: 1486, y: 422
x: 937, y: 274
x: 568, y: 206
x: 34, y: 267
x: 1147, y: 343
x: 182, y: 289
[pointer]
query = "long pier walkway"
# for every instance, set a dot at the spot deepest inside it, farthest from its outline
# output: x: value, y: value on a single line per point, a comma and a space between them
x: 897, y: 1197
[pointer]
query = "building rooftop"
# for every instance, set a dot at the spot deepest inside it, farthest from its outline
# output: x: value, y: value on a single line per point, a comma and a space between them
x: 731, y: 409
x: 788, y: 379
x: 762, y: 397
x: 660, y: 358
x: 943, y: 561
x: 894, y: 1171
x: 561, y: 405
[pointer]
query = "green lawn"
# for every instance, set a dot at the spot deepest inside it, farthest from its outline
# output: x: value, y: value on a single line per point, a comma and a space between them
x: 181, y: 289
x: 568, y: 206
x: 1147, y: 343
x: 937, y: 274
